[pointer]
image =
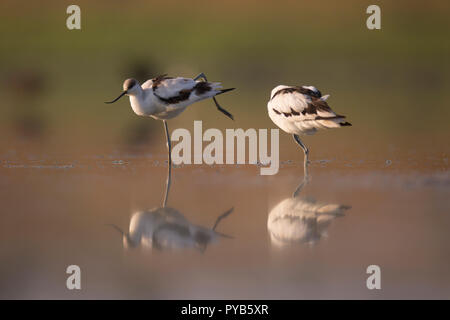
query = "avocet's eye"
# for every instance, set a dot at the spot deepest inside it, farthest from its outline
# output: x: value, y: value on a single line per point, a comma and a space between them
x: 131, y: 84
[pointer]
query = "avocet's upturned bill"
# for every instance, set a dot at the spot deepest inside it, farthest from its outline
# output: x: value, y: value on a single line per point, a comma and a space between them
x: 165, y: 97
x: 302, y: 110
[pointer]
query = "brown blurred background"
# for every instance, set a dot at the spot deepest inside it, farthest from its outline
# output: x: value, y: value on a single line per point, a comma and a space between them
x: 71, y: 164
x: 393, y: 83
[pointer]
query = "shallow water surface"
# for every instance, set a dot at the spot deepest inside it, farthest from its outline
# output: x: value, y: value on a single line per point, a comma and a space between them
x: 226, y: 231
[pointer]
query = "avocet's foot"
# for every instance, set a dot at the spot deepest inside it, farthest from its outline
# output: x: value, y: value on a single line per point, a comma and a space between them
x: 225, y: 112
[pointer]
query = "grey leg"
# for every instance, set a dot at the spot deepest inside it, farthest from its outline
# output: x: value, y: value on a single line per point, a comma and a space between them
x: 222, y: 216
x: 202, y: 246
x: 300, y: 187
x: 169, y: 164
x: 225, y: 112
x: 306, y: 151
x: 201, y: 76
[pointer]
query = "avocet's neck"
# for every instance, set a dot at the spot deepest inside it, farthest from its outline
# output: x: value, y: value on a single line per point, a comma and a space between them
x: 140, y: 102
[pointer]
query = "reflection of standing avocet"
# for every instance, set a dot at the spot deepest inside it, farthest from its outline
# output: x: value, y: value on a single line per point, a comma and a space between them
x: 301, y: 220
x: 166, y: 228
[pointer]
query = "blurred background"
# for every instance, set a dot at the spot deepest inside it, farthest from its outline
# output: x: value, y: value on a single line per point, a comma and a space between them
x: 393, y: 83
x: 71, y: 164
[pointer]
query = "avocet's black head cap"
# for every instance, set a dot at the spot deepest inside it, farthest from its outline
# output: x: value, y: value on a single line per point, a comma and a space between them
x: 129, y: 87
x: 129, y: 83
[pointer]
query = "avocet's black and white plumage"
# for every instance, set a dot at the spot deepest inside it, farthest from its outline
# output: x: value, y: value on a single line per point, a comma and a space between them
x: 165, y: 97
x: 302, y: 110
x: 167, y: 228
x: 299, y: 219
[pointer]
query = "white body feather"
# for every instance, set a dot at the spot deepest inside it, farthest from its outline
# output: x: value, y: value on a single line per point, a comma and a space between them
x: 301, y: 220
x: 167, y: 228
x: 289, y: 111
x: 147, y: 102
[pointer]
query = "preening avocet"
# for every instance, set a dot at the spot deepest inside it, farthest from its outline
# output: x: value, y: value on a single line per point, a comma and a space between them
x: 302, y: 110
x: 163, y: 97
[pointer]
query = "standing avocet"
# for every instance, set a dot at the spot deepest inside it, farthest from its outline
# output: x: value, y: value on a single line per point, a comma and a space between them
x: 164, y: 98
x: 302, y: 110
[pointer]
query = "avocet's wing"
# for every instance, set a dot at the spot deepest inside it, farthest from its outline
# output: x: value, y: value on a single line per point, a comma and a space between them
x: 300, y: 103
x: 176, y: 90
x: 172, y: 236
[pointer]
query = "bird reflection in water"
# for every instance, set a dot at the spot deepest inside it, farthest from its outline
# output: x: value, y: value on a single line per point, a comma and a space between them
x: 301, y: 220
x: 166, y: 228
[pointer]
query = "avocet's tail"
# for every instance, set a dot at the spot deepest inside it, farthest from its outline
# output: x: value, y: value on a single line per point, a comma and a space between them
x: 332, y: 122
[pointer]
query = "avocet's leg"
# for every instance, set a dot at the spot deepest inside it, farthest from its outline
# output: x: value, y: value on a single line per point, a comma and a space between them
x: 225, y: 112
x: 306, y: 151
x: 300, y: 187
x: 201, y: 76
x: 222, y: 216
x: 169, y: 164
x: 219, y: 218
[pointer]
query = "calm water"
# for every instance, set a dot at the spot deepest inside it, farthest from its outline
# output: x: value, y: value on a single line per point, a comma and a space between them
x: 226, y: 231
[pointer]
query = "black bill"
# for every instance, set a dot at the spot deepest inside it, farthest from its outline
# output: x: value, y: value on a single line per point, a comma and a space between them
x: 121, y: 95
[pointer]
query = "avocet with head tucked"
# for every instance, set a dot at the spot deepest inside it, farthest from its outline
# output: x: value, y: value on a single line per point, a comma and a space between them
x: 302, y: 110
x: 165, y: 97
x: 299, y: 219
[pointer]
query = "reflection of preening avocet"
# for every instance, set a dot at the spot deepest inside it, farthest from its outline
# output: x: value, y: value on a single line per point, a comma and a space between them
x: 166, y: 228
x: 301, y: 220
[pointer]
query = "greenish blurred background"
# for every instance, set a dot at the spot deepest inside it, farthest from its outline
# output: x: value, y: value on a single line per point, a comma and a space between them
x: 393, y: 83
